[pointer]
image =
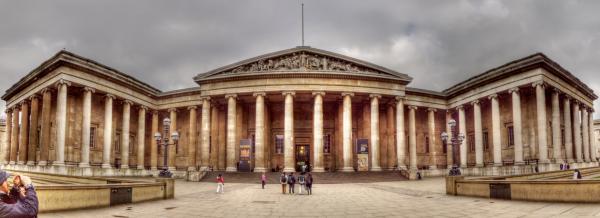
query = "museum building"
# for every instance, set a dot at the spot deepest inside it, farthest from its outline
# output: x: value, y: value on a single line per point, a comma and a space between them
x: 282, y: 110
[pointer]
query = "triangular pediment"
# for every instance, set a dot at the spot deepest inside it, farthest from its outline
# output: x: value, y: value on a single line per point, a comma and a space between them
x: 302, y: 59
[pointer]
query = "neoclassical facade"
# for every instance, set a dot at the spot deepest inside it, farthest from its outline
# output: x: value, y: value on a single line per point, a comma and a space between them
x: 293, y: 107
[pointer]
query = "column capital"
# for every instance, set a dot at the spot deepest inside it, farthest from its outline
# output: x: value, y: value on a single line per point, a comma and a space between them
x: 34, y: 96
x: 256, y: 94
x: 142, y: 107
x: 538, y: 83
x: 430, y: 109
x: 24, y: 102
x: 493, y: 96
x: 8, y: 111
x: 89, y: 89
x: 284, y: 93
x: 513, y: 90
x: 375, y: 96
x: 127, y: 102
x: 475, y: 102
x: 412, y: 107
x: 351, y: 94
x: 556, y: 90
x: 321, y: 93
x: 154, y: 112
x: 227, y: 96
x: 46, y: 89
x: 567, y: 97
x: 460, y: 107
x: 193, y: 107
x: 61, y: 82
x: 207, y: 98
x: 400, y: 98
x: 172, y: 110
x: 111, y: 96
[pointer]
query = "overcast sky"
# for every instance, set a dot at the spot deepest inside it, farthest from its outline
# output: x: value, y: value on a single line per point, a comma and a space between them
x: 166, y: 43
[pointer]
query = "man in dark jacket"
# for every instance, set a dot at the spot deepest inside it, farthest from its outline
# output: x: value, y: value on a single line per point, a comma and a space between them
x: 26, y: 204
x: 291, y: 183
x: 309, y: 182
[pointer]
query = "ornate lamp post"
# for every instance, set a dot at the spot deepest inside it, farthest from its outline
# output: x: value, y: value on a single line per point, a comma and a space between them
x: 457, y: 139
x: 165, y: 142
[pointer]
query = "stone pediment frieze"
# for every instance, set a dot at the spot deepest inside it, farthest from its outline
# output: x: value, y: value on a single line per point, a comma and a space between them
x: 303, y: 59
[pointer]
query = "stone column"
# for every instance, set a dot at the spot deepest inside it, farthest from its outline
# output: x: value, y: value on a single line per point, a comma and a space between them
x: 61, y: 122
x: 259, y: 134
x: 449, y: 148
x: 412, y: 137
x: 556, y: 137
x: 14, y: 138
x: 391, y: 149
x: 593, y: 148
x: 23, y: 134
x: 125, y: 134
x: 517, y: 125
x: 375, y: 132
x: 318, y: 131
x: 108, y: 131
x: 568, y: 129
x: 46, y: 126
x: 540, y: 96
x: 205, y: 147
x: 192, y: 138
x: 400, y: 135
x: 6, y: 152
x: 141, y: 137
x: 231, y: 131
x: 154, y: 144
x: 288, y: 132
x: 577, y: 131
x: 347, y: 132
x: 586, y: 134
x: 462, y: 124
x: 85, y: 127
x: 33, y: 130
x: 478, y: 134
x: 432, y: 138
x: 172, y: 151
x: 496, y: 135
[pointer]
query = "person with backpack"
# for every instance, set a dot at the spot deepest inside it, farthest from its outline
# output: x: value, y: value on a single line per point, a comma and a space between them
x: 309, y: 182
x: 220, y: 184
x: 283, y: 180
x: 291, y: 182
x: 263, y: 180
x: 301, y: 182
x: 576, y: 174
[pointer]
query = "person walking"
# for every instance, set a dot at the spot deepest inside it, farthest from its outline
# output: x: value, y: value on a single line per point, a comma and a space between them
x: 283, y: 180
x: 263, y: 180
x: 291, y: 182
x: 576, y: 174
x: 309, y: 182
x: 220, y: 184
x: 301, y: 182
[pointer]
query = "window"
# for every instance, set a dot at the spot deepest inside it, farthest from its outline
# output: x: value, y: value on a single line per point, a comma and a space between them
x: 511, y: 136
x: 39, y: 138
x: 486, y: 145
x: 279, y: 144
x: 562, y: 136
x: 253, y: 143
x: 117, y: 143
x: 471, y: 142
x: 209, y: 144
x: 445, y: 147
x: 132, y: 144
x: 426, y: 144
x: 92, y: 137
x: 327, y: 144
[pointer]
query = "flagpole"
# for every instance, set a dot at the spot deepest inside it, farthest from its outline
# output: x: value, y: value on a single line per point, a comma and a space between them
x: 302, y: 24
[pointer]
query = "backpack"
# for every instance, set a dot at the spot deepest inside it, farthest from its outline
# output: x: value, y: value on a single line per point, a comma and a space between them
x: 283, y: 179
x: 301, y: 179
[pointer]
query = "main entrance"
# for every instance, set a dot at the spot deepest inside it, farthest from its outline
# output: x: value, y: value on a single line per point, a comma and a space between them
x: 302, y: 156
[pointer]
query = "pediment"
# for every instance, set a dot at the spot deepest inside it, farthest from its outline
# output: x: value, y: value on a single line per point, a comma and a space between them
x: 302, y: 59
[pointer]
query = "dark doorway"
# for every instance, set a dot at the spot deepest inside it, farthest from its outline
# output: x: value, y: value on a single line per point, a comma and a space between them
x: 302, y: 156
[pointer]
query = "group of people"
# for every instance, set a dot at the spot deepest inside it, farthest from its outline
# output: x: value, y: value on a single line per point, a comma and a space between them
x: 304, y: 180
x: 565, y: 166
x: 20, y: 200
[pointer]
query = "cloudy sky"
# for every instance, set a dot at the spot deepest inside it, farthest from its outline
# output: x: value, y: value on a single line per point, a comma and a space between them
x: 166, y: 43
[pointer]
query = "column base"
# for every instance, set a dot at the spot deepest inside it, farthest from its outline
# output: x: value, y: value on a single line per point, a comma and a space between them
x: 260, y: 169
x: 579, y: 160
x: 318, y: 169
x: 519, y: 163
x: 498, y: 164
x: 192, y: 169
x: 84, y: 165
x: 12, y: 162
x: 172, y: 169
x: 20, y: 163
x: 42, y: 163
x: 404, y: 167
x: 153, y: 168
x: 140, y: 167
x: 347, y: 169
x: 231, y: 169
x: 289, y: 170
x: 558, y: 161
x: 58, y: 163
x: 432, y: 167
x: 30, y: 163
x: 204, y: 168
x: 106, y: 166
x: 570, y: 161
x: 374, y: 169
x: 124, y: 166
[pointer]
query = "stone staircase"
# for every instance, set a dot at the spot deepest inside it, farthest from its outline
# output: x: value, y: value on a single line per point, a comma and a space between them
x: 321, y: 178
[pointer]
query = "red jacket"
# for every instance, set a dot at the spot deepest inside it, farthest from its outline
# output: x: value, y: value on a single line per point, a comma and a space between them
x: 220, y: 180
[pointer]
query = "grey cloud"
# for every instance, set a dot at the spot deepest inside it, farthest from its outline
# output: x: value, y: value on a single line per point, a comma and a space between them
x: 166, y: 43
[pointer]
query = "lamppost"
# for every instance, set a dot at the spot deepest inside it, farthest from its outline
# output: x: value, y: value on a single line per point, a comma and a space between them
x: 457, y: 139
x: 165, y: 142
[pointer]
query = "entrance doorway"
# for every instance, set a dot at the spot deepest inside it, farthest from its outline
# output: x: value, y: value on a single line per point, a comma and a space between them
x: 302, y: 156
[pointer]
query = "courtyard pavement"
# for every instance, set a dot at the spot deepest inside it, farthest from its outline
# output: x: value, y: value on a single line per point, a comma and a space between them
x: 423, y: 198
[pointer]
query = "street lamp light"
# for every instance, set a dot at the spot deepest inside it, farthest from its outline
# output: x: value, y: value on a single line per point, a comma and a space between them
x: 165, y: 142
x: 455, y: 140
